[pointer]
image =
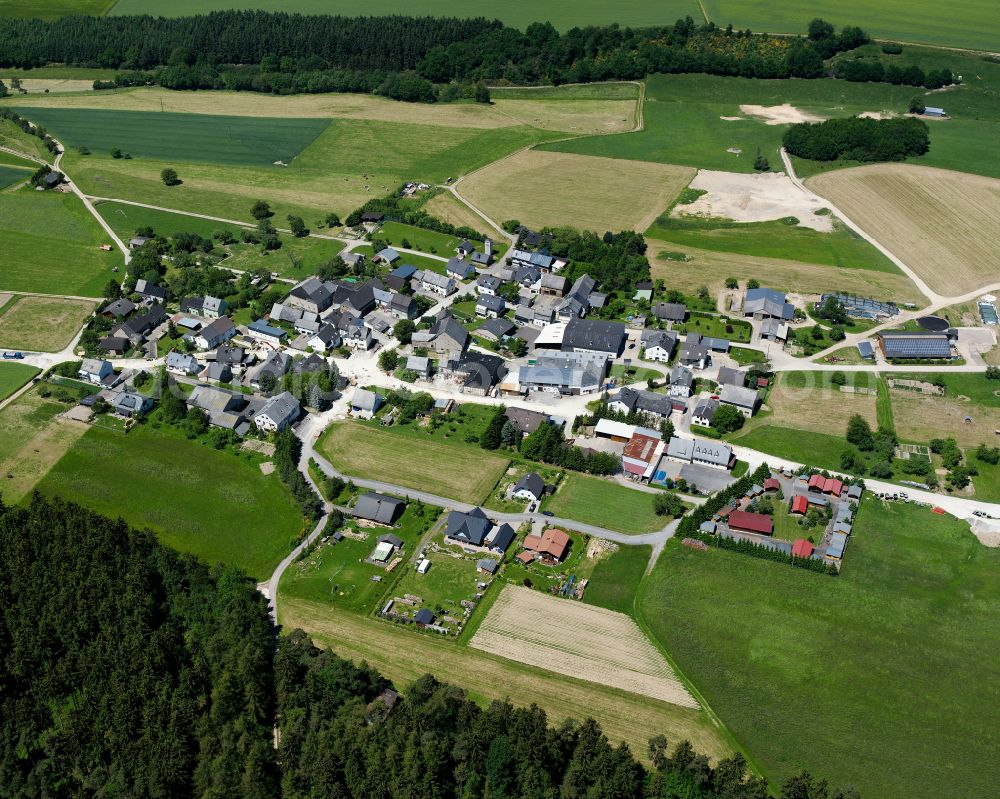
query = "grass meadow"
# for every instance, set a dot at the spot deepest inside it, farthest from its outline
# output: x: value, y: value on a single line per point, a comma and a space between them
x: 446, y: 467
x: 882, y: 677
x: 616, y: 577
x: 54, y: 10
x: 49, y: 244
x: 593, y: 500
x: 841, y: 248
x: 683, y: 123
x: 9, y: 175
x: 215, y: 505
x: 13, y: 376
x: 15, y: 138
x: 45, y: 324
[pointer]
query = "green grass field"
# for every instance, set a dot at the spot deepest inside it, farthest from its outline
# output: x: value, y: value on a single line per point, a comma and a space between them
x: 841, y: 247
x: 9, y: 175
x: 225, y: 140
x: 883, y: 677
x: 15, y: 138
x: 49, y: 243
x: 592, y: 500
x: 444, y: 466
x: 616, y: 578
x: 683, y: 125
x: 47, y: 10
x: 13, y: 375
x: 821, y: 450
x: 215, y: 505
x: 125, y: 219
x: 968, y: 27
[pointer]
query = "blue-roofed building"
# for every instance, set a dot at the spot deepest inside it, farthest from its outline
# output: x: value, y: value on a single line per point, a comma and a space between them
x: 914, y: 344
x: 836, y: 547
x: 865, y: 350
x: 934, y: 111
x: 262, y: 331
x: 763, y: 303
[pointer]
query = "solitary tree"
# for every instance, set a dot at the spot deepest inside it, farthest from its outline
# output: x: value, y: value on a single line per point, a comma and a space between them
x: 732, y: 283
x: 332, y: 220
x: 760, y: 163
x: 388, y: 360
x: 859, y: 433
x: 261, y: 210
x: 169, y: 177
x: 727, y: 419
x: 298, y: 226
x: 482, y: 93
x: 403, y: 331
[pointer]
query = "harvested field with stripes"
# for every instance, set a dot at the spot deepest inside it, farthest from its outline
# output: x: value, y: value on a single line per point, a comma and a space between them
x: 944, y: 225
x: 577, y: 640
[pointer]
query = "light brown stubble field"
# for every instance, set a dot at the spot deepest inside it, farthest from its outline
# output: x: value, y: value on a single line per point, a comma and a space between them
x: 944, y: 225
x: 552, y: 189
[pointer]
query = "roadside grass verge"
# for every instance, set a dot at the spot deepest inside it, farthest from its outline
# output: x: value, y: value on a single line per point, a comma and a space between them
x: 900, y: 642
x: 215, y: 505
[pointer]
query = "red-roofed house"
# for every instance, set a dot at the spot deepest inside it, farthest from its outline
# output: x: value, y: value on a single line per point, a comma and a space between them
x: 833, y: 486
x: 640, y: 456
x: 751, y: 522
x: 772, y: 484
x: 817, y: 483
x: 802, y: 549
x: 799, y: 504
x: 551, y: 545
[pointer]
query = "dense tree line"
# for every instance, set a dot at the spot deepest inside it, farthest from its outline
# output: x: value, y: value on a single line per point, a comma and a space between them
x: 858, y: 139
x: 127, y: 670
x: 874, y: 71
x: 419, y: 59
x: 287, y: 450
x: 130, y: 670
x: 617, y: 261
x: 28, y: 127
x: 395, y: 209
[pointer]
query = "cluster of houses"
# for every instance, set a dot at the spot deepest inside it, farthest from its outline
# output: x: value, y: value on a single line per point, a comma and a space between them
x: 645, y: 455
x: 739, y: 521
x: 135, y: 324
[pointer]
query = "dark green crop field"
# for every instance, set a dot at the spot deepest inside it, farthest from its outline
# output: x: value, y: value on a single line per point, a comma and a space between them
x: 229, y: 140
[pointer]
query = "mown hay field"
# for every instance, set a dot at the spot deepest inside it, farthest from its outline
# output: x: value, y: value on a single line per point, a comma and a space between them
x: 943, y: 225
x: 46, y: 324
x: 808, y: 401
x: 578, y: 640
x: 455, y: 470
x: 551, y: 189
x: 403, y: 655
x: 448, y: 207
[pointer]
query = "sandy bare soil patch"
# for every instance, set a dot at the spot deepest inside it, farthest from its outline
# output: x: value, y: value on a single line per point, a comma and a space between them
x: 987, y: 531
x: 754, y: 198
x: 344, y: 106
x: 944, y: 225
x: 45, y: 324
x: 786, y: 114
x: 710, y: 268
x: 547, y: 188
x: 877, y: 115
x: 578, y: 640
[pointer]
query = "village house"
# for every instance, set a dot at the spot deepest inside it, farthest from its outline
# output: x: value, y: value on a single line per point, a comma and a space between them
x: 325, y: 339
x: 530, y: 487
x: 704, y: 412
x: 496, y: 330
x: 149, y: 292
x: 670, y: 311
x: 214, y: 334
x: 474, y: 530
x: 459, y: 268
x: 437, y: 284
x: 225, y: 409
x: 525, y: 420
x: 399, y: 278
x: 681, y: 382
x: 731, y: 377
x: 489, y: 285
x: 551, y: 546
x: 489, y: 306
x: 379, y: 508
x: 119, y: 309
x: 762, y: 303
x: 365, y: 403
x: 695, y: 353
x: 94, y: 370
x: 641, y: 455
x: 631, y: 400
x: 564, y: 373
x: 745, y: 400
x: 594, y: 335
x: 658, y: 345
x: 130, y: 404
x: 179, y: 363
x: 278, y: 413
x: 260, y: 330
x: 274, y: 367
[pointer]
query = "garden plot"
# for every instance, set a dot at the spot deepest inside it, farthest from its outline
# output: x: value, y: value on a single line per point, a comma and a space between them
x: 580, y: 641
x: 754, y: 198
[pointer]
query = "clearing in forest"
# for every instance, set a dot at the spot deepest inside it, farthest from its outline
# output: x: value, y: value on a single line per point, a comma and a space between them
x: 578, y: 640
x: 552, y: 189
x: 944, y: 225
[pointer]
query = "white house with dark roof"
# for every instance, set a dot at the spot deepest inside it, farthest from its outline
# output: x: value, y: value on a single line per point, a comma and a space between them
x: 180, y: 363
x: 658, y: 345
x: 365, y: 403
x: 530, y: 487
x: 217, y: 332
x: 437, y: 284
x: 95, y: 370
x: 490, y: 307
x: 278, y: 413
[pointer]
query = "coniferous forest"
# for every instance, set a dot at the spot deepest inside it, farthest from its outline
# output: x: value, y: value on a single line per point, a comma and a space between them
x: 127, y: 670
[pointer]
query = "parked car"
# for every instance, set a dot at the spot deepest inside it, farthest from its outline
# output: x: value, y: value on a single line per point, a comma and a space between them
x: 13, y: 356
x: 547, y: 513
x: 531, y: 507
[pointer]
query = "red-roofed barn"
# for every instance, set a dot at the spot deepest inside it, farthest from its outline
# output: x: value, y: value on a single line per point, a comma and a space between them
x: 799, y: 504
x: 802, y: 548
x: 751, y: 522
